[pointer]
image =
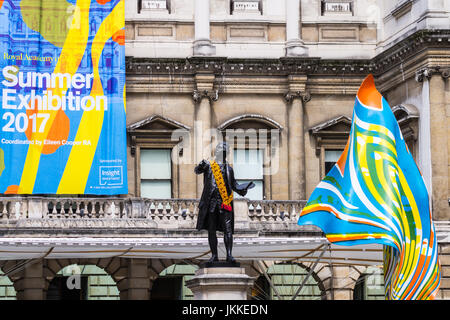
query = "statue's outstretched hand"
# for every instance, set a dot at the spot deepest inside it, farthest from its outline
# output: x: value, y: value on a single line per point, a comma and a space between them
x: 201, y: 167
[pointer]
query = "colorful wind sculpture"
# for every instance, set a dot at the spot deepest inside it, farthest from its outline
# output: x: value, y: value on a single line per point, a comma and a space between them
x: 376, y: 194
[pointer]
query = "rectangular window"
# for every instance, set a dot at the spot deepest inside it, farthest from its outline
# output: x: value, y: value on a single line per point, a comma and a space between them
x: 248, y: 166
x: 154, y: 4
x: 246, y: 6
x: 331, y: 157
x: 336, y: 7
x: 156, y: 173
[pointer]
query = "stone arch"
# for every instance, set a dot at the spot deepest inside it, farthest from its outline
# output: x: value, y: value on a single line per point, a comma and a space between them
x: 407, y: 116
x: 172, y: 272
x: 319, y: 274
x: 254, y: 121
x: 115, y: 267
x: 340, y: 280
x: 6, y: 281
x: 374, y: 288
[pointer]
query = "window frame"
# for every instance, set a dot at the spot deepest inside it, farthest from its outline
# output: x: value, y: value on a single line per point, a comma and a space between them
x: 337, y: 147
x: 141, y: 134
x: 238, y: 143
x: 263, y: 152
x: 173, y: 167
x: 323, y: 12
x: 260, y: 6
x: 171, y: 171
x: 166, y: 10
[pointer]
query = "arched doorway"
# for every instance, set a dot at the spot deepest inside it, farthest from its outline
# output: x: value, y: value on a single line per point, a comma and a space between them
x: 82, y: 282
x: 7, y: 291
x: 370, y: 285
x: 261, y: 289
x: 171, y: 283
x: 286, y: 279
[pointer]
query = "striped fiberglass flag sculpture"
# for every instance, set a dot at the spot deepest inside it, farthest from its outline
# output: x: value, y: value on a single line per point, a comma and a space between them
x: 376, y: 194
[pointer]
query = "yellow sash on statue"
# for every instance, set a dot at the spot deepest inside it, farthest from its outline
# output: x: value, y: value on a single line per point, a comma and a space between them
x: 226, y: 199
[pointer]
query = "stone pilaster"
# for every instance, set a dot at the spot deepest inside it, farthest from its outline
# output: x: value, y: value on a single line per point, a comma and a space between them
x: 295, y: 100
x: 444, y: 259
x: 439, y: 150
x: 136, y: 285
x: 31, y: 284
x: 438, y: 125
x: 203, y: 96
x: 341, y: 282
x: 202, y: 42
x: 294, y: 44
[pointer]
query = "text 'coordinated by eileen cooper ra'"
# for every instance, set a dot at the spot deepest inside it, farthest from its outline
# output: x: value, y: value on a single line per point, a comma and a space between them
x: 45, y: 93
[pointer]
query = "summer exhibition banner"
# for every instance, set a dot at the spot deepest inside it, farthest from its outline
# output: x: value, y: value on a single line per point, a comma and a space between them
x: 62, y: 88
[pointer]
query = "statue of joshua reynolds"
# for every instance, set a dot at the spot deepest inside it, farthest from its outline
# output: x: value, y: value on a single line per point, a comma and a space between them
x: 216, y: 204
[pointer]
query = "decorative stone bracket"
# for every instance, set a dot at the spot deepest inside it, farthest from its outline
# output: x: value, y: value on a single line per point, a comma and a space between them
x: 198, y: 95
x: 291, y: 95
x: 428, y: 72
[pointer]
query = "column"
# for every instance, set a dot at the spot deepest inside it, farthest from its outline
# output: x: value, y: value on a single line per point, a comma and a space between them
x: 203, y: 96
x: 295, y: 99
x: 31, y: 284
x: 136, y: 285
x: 202, y: 42
x: 433, y: 129
x: 439, y: 150
x: 294, y: 44
x: 296, y: 151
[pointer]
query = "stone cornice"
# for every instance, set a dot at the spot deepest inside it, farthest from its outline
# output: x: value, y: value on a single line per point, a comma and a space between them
x: 228, y: 66
x: 423, y: 49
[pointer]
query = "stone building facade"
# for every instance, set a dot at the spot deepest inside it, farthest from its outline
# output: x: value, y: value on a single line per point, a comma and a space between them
x: 281, y: 78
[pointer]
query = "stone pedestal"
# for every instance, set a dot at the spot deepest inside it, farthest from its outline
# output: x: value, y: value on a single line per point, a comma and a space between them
x: 220, y: 283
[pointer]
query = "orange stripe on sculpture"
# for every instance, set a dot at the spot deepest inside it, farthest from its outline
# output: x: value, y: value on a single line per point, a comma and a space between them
x: 368, y: 94
x: 1, y: 4
x: 103, y: 1
x: 343, y: 158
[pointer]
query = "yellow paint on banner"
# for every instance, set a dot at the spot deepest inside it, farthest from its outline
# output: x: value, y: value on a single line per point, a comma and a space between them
x: 69, y: 61
x: 81, y: 156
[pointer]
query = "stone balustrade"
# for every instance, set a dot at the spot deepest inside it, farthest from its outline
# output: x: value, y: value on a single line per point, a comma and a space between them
x: 150, y: 217
x: 54, y: 212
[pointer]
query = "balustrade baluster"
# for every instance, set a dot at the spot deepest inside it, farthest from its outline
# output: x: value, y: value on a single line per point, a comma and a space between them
x: 112, y: 210
x: 4, y: 210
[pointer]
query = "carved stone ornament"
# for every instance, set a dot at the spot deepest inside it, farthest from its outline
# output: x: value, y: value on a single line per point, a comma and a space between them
x: 291, y: 95
x: 198, y: 95
x: 428, y: 72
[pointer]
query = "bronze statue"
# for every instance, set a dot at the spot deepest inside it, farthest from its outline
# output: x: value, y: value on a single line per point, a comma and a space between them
x: 216, y: 204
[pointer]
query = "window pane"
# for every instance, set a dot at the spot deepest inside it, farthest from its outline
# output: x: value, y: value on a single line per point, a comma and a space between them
x: 332, y: 155
x: 253, y: 194
x: 160, y: 189
x: 156, y: 164
x: 329, y: 166
x: 248, y: 164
